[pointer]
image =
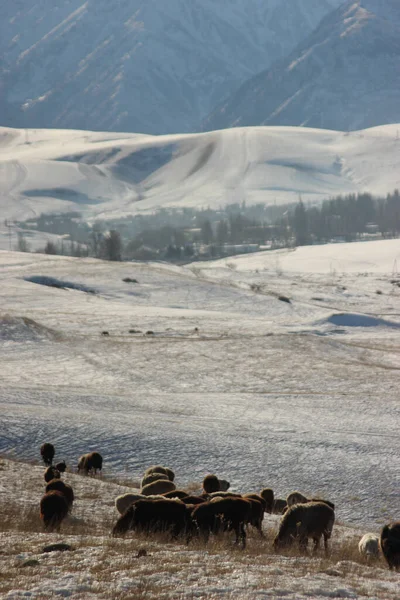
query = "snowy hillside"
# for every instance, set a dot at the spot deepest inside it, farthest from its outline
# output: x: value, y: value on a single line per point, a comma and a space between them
x: 99, y: 567
x: 109, y: 174
x: 344, y: 75
x: 139, y: 65
x: 282, y: 373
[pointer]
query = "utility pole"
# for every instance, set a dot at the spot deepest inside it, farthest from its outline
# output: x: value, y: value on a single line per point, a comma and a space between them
x: 9, y: 224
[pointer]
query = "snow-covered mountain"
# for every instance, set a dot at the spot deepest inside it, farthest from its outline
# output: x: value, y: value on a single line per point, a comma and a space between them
x: 111, y: 175
x: 345, y: 75
x: 138, y: 65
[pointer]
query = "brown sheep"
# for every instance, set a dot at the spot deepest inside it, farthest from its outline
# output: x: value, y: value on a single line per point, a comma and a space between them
x: 211, y: 484
x: 51, y: 473
x: 268, y: 496
x: 298, y: 498
x: 390, y: 545
x: 161, y: 486
x: 159, y: 469
x: 123, y: 502
x: 223, y: 514
x: 64, y: 488
x: 224, y: 485
x: 256, y: 497
x: 153, y: 516
x: 193, y: 500
x: 302, y: 521
x: 53, y: 509
x: 61, y: 466
x: 257, y: 513
x: 89, y: 462
x: 47, y: 453
x: 176, y: 494
x: 279, y: 507
x: 153, y: 477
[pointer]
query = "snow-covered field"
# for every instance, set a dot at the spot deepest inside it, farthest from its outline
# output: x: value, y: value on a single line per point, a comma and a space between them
x: 110, y: 175
x: 233, y: 379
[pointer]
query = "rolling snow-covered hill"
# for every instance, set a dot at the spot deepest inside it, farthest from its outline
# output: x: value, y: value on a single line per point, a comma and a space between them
x: 110, y: 175
x: 138, y: 65
x: 344, y: 75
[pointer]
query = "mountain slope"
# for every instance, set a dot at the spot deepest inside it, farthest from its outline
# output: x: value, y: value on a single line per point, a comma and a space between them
x: 345, y: 75
x: 110, y: 175
x: 139, y: 65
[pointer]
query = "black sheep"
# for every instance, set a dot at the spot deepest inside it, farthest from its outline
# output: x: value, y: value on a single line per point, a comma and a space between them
x: 53, y: 509
x: 64, y: 488
x: 51, y: 473
x: 47, y: 453
x: 154, y: 516
x: 390, y: 544
x: 223, y: 514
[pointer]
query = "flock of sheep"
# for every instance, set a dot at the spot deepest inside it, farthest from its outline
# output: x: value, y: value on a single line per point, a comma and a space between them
x: 160, y: 506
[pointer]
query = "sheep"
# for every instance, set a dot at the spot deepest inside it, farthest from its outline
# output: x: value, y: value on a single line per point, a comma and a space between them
x: 257, y: 513
x: 176, y: 494
x: 303, y: 521
x: 47, y: 453
x: 222, y: 494
x: 161, y: 486
x: 268, y: 496
x: 61, y: 466
x: 193, y: 500
x: 153, y: 477
x: 51, y: 473
x: 64, y: 488
x: 224, y: 485
x: 123, y: 502
x: 223, y: 514
x: 390, y: 545
x: 368, y: 546
x: 298, y: 498
x: 279, y: 506
x: 92, y: 460
x: 159, y: 469
x: 211, y: 484
x: 151, y: 515
x: 53, y: 509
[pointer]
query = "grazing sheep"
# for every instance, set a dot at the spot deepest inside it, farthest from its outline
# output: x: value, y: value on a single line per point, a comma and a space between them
x: 211, y: 484
x: 150, y: 515
x: 268, y: 496
x: 47, y: 453
x: 296, y: 498
x: 161, y: 486
x: 53, y: 509
x: 89, y: 462
x: 64, y: 488
x: 176, y: 494
x: 279, y: 507
x: 123, y: 502
x: 61, y: 466
x: 153, y: 477
x: 159, y: 469
x: 390, y: 544
x: 303, y: 521
x: 51, y: 473
x: 257, y: 513
x: 224, y: 485
x: 256, y: 497
x: 368, y: 546
x: 193, y: 500
x: 223, y: 514
x: 224, y: 495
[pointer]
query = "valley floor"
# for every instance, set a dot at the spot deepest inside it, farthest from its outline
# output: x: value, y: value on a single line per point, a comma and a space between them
x: 276, y: 370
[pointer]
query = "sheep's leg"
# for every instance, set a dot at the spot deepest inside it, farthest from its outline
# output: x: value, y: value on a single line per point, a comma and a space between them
x: 326, y: 538
x: 316, y: 541
x: 303, y: 543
